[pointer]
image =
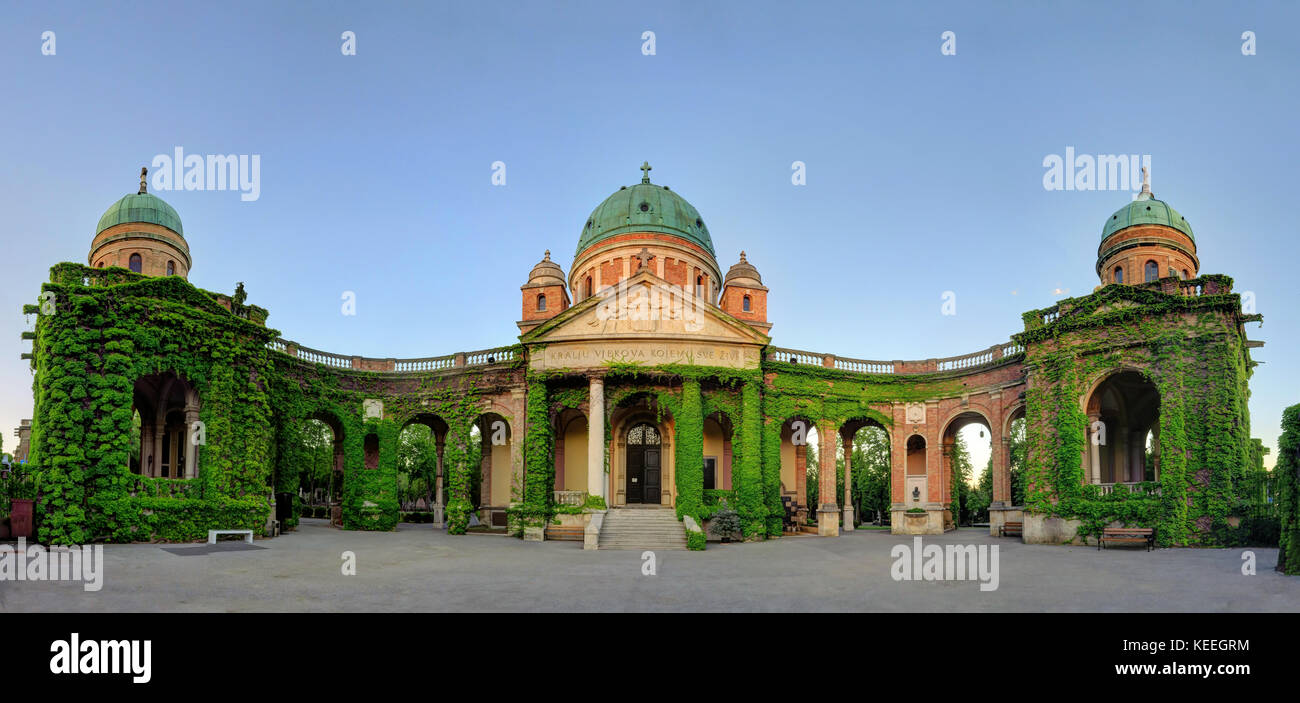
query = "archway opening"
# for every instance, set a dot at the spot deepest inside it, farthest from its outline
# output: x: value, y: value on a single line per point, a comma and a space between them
x: 571, y: 449
x: 800, y: 469
x: 490, y: 441
x: 421, y: 477
x: 320, y: 474
x: 642, y: 465
x: 170, y: 437
x: 1124, y: 432
x: 968, y: 469
x: 870, y: 471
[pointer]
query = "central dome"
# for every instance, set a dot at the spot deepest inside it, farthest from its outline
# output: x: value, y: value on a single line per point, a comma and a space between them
x: 645, y: 207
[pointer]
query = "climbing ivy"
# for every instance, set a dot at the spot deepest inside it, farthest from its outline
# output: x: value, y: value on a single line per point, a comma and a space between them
x: 1190, y: 349
x: 1287, y: 470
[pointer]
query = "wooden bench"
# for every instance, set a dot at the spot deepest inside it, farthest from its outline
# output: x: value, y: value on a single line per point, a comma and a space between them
x: 1128, y: 534
x: 1011, y: 528
x: 212, y: 535
x: 568, y: 533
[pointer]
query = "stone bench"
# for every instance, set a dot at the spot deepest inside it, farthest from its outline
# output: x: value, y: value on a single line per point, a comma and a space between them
x: 212, y: 535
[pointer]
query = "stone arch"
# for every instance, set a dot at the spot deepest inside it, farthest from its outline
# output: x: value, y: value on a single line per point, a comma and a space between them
x: 494, y: 490
x: 333, y: 493
x: 852, y: 503
x: 570, y: 427
x: 642, y: 407
x: 1122, y: 412
x: 434, y: 497
x: 795, y: 440
x: 958, y: 420
x: 719, y: 433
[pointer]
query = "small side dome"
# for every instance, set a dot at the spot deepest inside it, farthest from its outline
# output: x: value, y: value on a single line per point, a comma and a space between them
x: 546, y: 273
x: 141, y: 207
x: 1146, y: 210
x: 743, y: 273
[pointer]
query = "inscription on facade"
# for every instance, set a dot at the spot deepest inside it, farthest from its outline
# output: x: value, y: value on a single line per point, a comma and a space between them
x: 588, y: 355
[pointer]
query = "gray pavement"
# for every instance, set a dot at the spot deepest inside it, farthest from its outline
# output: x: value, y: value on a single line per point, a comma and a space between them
x: 418, y: 568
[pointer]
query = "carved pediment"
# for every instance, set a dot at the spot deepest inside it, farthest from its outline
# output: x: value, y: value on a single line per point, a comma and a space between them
x: 646, y: 320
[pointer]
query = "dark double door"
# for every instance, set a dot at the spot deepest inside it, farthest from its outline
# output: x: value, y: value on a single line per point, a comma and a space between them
x: 643, y: 465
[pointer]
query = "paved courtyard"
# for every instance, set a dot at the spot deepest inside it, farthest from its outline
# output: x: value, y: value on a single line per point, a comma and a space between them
x: 419, y: 568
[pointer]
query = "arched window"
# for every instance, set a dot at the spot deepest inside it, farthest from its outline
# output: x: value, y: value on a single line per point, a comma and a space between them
x: 1119, y: 274
x: 586, y: 288
x: 137, y: 264
x: 541, y: 303
x: 1186, y: 275
x: 101, y: 265
x: 699, y: 285
x: 744, y: 304
x: 171, y: 268
x: 1152, y: 271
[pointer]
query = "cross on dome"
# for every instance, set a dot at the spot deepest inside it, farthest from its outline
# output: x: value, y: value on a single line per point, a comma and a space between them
x: 644, y: 256
x: 645, y: 171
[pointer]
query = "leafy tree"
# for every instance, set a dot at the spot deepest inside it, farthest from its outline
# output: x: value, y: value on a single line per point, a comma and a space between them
x: 871, y: 474
x: 417, y: 464
x: 959, y: 460
x: 1017, y: 449
x: 316, y: 473
x: 981, y: 497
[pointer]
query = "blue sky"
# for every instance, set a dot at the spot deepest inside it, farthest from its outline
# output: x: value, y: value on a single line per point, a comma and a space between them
x: 924, y: 171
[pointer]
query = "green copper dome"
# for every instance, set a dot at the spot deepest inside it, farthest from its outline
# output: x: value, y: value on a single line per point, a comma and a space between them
x: 645, y: 207
x: 141, y: 207
x: 1146, y: 210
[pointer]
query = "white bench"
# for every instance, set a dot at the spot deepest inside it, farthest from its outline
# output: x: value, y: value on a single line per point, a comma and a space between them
x: 212, y: 535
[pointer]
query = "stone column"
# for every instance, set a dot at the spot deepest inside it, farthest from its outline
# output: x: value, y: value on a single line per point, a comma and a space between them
x: 439, y: 513
x: 1123, y: 453
x: 848, y: 482
x: 1094, y: 449
x: 159, y: 429
x: 146, y: 447
x: 191, y: 449
x: 596, y: 439
x: 828, y: 513
x: 517, y: 439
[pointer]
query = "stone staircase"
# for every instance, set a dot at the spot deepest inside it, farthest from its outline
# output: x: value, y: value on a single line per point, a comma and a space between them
x: 642, y: 528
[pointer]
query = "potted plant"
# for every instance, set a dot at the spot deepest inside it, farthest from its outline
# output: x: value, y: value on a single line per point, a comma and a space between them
x: 725, y: 523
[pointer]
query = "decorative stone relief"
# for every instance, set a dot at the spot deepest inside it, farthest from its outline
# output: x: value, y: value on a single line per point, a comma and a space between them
x: 372, y: 407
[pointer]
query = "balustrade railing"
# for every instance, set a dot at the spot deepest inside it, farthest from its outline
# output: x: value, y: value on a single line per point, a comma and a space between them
x: 1108, y: 488
x: 570, y: 497
x: 484, y: 357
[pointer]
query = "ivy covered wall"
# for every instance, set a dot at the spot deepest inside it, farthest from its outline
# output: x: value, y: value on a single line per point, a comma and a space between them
x: 1192, y: 350
x: 98, y: 331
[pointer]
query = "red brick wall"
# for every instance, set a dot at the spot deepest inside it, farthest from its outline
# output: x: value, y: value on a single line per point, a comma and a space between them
x: 733, y: 302
x: 555, y: 302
